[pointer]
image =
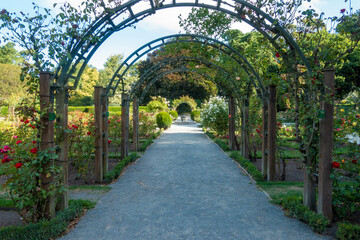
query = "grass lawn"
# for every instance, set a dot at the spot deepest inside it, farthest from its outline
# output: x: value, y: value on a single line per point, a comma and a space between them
x: 91, y: 188
x: 281, y: 190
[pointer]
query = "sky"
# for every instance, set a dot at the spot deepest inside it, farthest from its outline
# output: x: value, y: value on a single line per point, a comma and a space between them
x: 163, y: 23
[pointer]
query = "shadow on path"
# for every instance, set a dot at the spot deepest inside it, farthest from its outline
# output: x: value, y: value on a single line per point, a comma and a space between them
x: 185, y: 187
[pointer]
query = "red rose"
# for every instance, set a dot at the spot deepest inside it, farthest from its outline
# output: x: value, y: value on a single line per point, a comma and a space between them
x: 88, y: 133
x: 26, y: 121
x: 108, y: 121
x: 335, y: 164
x: 229, y: 115
x: 33, y: 150
x: 109, y: 141
x: 342, y: 10
x: 354, y: 161
x: 277, y: 55
x: 5, y: 159
x: 18, y: 142
x: 74, y: 126
x: 18, y: 165
x: 34, y: 142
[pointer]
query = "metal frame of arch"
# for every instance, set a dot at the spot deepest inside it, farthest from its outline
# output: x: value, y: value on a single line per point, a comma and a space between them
x: 174, y: 71
x: 161, y: 64
x: 131, y: 12
x: 183, y: 38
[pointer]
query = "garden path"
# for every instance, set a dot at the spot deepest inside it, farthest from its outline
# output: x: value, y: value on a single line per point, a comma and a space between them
x: 185, y: 187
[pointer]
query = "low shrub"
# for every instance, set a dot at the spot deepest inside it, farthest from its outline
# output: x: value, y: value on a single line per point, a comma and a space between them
x: 251, y: 168
x: 174, y: 115
x: 347, y: 231
x: 222, y: 144
x: 145, y: 145
x: 163, y: 120
x: 115, y: 173
x: 195, y: 115
x: 47, y: 229
x: 210, y: 134
x: 294, y: 208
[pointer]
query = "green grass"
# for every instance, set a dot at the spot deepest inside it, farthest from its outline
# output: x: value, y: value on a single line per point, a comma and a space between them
x: 290, y: 144
x: 281, y: 190
x: 6, y: 202
x: 90, y: 187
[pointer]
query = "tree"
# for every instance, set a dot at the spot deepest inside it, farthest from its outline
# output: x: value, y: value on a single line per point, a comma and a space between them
x: 8, y: 54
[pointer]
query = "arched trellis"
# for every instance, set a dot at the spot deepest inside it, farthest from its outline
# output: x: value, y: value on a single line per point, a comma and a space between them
x: 234, y: 88
x: 176, y: 70
x: 127, y: 14
x: 183, y: 38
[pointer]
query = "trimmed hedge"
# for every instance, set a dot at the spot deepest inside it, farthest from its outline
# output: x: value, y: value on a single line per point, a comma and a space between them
x: 294, y: 208
x: 145, y: 145
x: 174, y: 115
x: 222, y: 144
x: 348, y: 231
x: 210, y: 134
x: 251, y: 168
x: 195, y: 115
x: 163, y: 120
x: 47, y: 229
x: 115, y: 173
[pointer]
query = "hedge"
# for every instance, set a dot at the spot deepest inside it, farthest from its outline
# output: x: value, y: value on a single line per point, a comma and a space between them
x: 145, y: 145
x: 115, y: 173
x: 348, y: 231
x: 174, y: 115
x: 223, y: 145
x: 251, y: 168
x: 47, y: 229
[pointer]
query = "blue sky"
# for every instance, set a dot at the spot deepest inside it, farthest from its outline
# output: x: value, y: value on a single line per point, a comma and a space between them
x: 163, y: 23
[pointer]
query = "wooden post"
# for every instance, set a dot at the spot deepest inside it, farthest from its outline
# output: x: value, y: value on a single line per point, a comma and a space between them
x: 47, y: 139
x: 232, y: 123
x: 105, y: 135
x: 265, y: 138
x: 136, y: 124
x: 271, y: 133
x: 326, y: 148
x: 62, y: 143
x: 98, y: 135
x: 244, y: 128
x: 124, y: 126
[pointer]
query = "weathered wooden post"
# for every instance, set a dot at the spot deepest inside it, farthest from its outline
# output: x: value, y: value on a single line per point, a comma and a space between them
x: 62, y: 143
x: 98, y: 134
x: 326, y: 147
x: 105, y: 134
x: 47, y: 138
x: 136, y: 124
x: 244, y: 128
x: 124, y: 126
x: 265, y: 137
x: 271, y: 133
x: 232, y: 123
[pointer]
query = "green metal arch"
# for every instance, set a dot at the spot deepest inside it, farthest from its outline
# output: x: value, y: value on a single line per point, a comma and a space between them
x: 176, y: 38
x: 145, y: 76
x: 125, y: 15
x: 173, y: 71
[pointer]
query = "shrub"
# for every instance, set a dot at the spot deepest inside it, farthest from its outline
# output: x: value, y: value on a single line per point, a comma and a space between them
x: 174, y: 115
x: 223, y: 145
x: 115, y: 173
x: 251, y: 168
x: 145, y: 145
x: 214, y: 115
x: 163, y: 120
x: 47, y: 229
x: 347, y: 231
x: 195, y: 115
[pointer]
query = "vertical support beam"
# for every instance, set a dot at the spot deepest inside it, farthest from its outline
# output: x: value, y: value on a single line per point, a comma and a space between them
x: 264, y: 161
x: 47, y: 138
x: 326, y: 147
x: 62, y: 143
x: 136, y: 124
x: 105, y: 134
x: 98, y: 134
x: 271, y: 133
x: 232, y: 123
x: 124, y: 126
x: 245, y: 128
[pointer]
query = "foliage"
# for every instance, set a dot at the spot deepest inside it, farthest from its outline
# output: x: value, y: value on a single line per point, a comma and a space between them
x: 214, y: 115
x: 245, y: 163
x: 163, y: 120
x: 145, y: 145
x: 9, y: 54
x: 222, y: 144
x: 147, y: 124
x: 195, y: 115
x: 115, y: 173
x: 174, y: 115
x: 157, y: 104
x: 184, y: 99
x: 47, y: 229
x: 294, y: 208
x: 347, y: 231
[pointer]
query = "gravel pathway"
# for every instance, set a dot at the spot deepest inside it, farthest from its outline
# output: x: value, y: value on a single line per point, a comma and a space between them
x: 185, y: 187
